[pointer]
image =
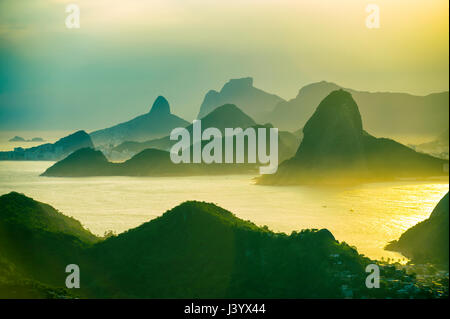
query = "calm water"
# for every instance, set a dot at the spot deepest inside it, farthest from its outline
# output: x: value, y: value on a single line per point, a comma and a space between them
x: 367, y: 216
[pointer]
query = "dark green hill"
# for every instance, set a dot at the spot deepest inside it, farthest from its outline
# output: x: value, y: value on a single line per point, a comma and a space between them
x: 336, y: 149
x: 84, y: 162
x: 17, y: 209
x: 153, y: 162
x: 428, y: 241
x: 39, y: 240
x: 199, y: 250
x: 14, y: 285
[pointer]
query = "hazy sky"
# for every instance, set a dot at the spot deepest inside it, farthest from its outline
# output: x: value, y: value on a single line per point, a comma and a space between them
x: 128, y: 52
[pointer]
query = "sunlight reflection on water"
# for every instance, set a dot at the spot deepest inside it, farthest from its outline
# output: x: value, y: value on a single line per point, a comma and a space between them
x: 367, y: 216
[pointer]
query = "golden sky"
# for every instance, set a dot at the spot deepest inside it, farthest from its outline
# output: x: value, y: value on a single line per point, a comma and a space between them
x: 183, y: 48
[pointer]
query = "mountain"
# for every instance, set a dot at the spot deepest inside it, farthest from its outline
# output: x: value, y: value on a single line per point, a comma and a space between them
x: 199, y: 250
x: 428, y: 240
x: 14, y: 285
x: 195, y: 250
x: 83, y: 162
x: 241, y: 92
x: 335, y: 148
x: 21, y: 139
x: 48, y: 151
x: 438, y: 147
x: 156, y: 123
x: 38, y: 240
x: 396, y: 115
x: 152, y: 158
x: 17, y: 139
x: 149, y: 162
x: 225, y: 116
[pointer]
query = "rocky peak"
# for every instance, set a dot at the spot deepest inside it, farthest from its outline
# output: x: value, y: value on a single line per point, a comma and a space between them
x: 160, y: 106
x: 333, y: 135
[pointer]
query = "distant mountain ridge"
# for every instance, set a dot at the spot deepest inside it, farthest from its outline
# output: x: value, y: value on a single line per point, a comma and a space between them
x: 21, y: 139
x: 241, y: 92
x: 336, y: 148
x: 394, y: 115
x: 50, y: 151
x: 224, y: 116
x: 158, y: 122
x: 438, y: 147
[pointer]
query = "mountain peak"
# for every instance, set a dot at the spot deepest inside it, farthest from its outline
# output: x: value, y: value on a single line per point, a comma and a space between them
x: 241, y: 92
x: 78, y: 163
x: 239, y: 83
x: 318, y: 88
x: 160, y: 106
x: 338, y: 108
x: 18, y: 209
x: 336, y: 149
x: 228, y: 113
x: 199, y: 214
x: 335, y: 128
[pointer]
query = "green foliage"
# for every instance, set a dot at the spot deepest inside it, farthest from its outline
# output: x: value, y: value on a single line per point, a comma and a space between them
x: 195, y: 250
x: 39, y: 240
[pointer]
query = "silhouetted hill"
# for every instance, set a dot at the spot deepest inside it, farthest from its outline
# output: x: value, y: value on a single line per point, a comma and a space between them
x: 428, y: 241
x: 335, y: 148
x: 333, y: 136
x: 225, y: 116
x: 149, y: 162
x: 156, y: 162
x: 241, y: 92
x: 195, y: 250
x: 14, y: 285
x: 287, y: 145
x: 199, y: 250
x: 84, y: 162
x: 395, y: 115
x: 156, y: 123
x: 38, y: 240
x: 49, y: 151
